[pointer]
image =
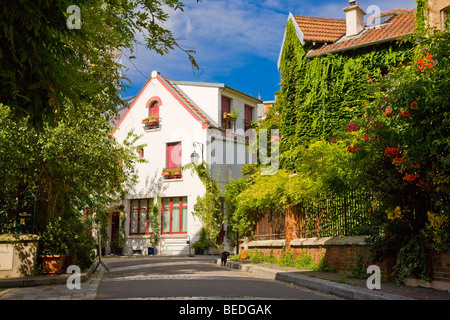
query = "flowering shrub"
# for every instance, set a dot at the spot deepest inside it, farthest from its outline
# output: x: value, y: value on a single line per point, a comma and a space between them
x: 424, y: 63
x: 405, y: 159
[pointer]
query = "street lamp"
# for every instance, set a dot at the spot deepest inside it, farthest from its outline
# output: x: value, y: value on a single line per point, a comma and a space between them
x: 194, y: 155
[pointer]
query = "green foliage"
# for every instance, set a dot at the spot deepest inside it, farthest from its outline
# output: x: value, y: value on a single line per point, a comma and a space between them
x: 358, y: 270
x: 203, y: 242
x: 286, y: 259
x: 319, y: 95
x: 209, y: 206
x: 67, y: 235
x: 45, y: 65
x: 412, y: 261
x: 76, y: 164
x: 403, y: 155
x: 155, y: 222
x: 324, y: 169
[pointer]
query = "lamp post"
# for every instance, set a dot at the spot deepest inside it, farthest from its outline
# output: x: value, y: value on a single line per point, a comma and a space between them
x: 194, y: 155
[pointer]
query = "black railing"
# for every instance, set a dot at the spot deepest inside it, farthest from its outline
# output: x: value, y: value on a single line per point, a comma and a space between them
x: 333, y: 215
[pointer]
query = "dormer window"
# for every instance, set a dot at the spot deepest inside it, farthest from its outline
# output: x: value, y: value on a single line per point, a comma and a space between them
x: 152, y: 121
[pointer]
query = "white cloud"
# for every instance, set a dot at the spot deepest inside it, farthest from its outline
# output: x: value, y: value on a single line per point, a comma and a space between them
x: 227, y: 33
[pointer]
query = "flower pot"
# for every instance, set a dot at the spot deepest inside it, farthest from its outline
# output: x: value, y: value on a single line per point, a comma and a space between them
x: 53, y: 263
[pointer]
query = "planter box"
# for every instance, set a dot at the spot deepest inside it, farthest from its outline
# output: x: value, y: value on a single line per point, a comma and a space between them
x: 53, y: 264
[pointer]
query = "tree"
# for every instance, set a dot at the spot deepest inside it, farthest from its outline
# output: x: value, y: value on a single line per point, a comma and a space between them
x: 76, y: 165
x: 45, y: 64
x: 401, y: 151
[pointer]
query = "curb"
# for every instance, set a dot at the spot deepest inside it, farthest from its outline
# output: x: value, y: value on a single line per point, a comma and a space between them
x: 338, y: 289
x: 46, y: 280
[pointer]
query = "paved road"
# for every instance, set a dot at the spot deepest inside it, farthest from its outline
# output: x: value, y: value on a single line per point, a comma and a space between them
x: 191, y: 278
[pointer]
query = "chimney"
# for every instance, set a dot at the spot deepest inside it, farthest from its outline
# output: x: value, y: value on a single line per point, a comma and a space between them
x: 354, y: 16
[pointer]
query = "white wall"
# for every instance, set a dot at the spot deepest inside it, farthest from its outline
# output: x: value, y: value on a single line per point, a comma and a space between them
x: 178, y: 125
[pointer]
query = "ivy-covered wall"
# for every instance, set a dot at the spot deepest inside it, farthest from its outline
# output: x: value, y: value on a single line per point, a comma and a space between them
x: 320, y: 95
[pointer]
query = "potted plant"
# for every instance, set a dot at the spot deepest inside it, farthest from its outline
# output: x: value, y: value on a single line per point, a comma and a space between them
x: 55, y: 248
x: 176, y: 171
x: 151, y: 121
x: 202, y: 244
x: 171, y: 173
x: 233, y: 115
x: 165, y: 173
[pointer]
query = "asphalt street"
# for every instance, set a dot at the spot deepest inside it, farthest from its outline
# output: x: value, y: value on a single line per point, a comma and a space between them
x: 191, y: 278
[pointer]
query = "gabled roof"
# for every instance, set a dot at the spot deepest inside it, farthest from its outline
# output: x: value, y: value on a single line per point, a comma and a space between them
x: 321, y: 29
x: 401, y: 24
x: 200, y: 115
x: 331, y: 32
x: 182, y: 98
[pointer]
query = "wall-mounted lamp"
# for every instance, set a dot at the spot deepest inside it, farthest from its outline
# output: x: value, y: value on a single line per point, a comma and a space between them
x: 194, y: 155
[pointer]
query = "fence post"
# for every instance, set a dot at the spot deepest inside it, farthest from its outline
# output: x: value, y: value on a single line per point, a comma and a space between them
x: 345, y: 215
x: 318, y: 217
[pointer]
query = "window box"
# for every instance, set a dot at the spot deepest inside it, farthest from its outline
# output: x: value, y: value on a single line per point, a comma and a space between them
x: 228, y: 121
x: 151, y: 122
x: 229, y: 116
x: 172, y: 173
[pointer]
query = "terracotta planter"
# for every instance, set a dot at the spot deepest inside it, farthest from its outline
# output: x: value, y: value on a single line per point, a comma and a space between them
x: 53, y: 264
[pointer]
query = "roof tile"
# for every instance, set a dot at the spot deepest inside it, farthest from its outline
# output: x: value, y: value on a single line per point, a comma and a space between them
x: 403, y: 23
x: 321, y: 29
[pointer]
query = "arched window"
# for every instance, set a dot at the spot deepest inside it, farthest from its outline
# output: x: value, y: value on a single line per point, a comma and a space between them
x: 154, y: 109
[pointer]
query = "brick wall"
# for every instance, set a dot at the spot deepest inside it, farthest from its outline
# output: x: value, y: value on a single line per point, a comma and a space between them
x: 441, y: 266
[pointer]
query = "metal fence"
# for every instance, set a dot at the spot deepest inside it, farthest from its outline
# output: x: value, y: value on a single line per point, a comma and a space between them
x: 333, y: 215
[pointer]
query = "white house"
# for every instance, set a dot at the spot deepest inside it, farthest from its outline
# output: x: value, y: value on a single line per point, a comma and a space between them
x: 184, y: 120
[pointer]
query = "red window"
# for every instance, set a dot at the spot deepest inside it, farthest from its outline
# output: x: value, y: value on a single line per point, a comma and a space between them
x: 173, y: 155
x: 154, y: 109
x: 226, y: 105
x: 139, y: 210
x: 174, y: 215
x: 248, y: 117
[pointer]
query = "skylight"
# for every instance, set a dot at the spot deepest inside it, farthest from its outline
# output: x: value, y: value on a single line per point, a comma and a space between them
x: 376, y: 20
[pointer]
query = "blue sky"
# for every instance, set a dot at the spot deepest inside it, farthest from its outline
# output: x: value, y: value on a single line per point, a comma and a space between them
x: 237, y: 42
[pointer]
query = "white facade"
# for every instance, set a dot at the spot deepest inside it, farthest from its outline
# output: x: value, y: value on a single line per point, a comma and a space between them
x: 190, y: 114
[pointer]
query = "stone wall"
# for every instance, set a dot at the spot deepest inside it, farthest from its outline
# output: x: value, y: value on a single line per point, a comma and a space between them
x: 18, y: 254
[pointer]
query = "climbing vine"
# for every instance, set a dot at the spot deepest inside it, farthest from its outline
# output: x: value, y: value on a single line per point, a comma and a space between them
x: 209, y: 206
x: 318, y: 95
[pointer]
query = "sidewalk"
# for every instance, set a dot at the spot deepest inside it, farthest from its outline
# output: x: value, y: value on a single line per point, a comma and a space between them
x: 338, y: 284
x: 52, y: 287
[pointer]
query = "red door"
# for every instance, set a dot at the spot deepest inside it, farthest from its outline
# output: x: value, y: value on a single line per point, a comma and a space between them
x: 115, y: 225
x: 173, y: 155
x: 226, y: 105
x: 248, y: 113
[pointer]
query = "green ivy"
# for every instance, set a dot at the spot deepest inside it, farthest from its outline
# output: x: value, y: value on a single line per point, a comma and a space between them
x: 319, y: 95
x: 209, y: 206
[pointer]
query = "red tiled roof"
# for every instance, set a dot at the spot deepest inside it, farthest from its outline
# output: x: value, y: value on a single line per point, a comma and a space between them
x: 403, y: 23
x: 321, y: 29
